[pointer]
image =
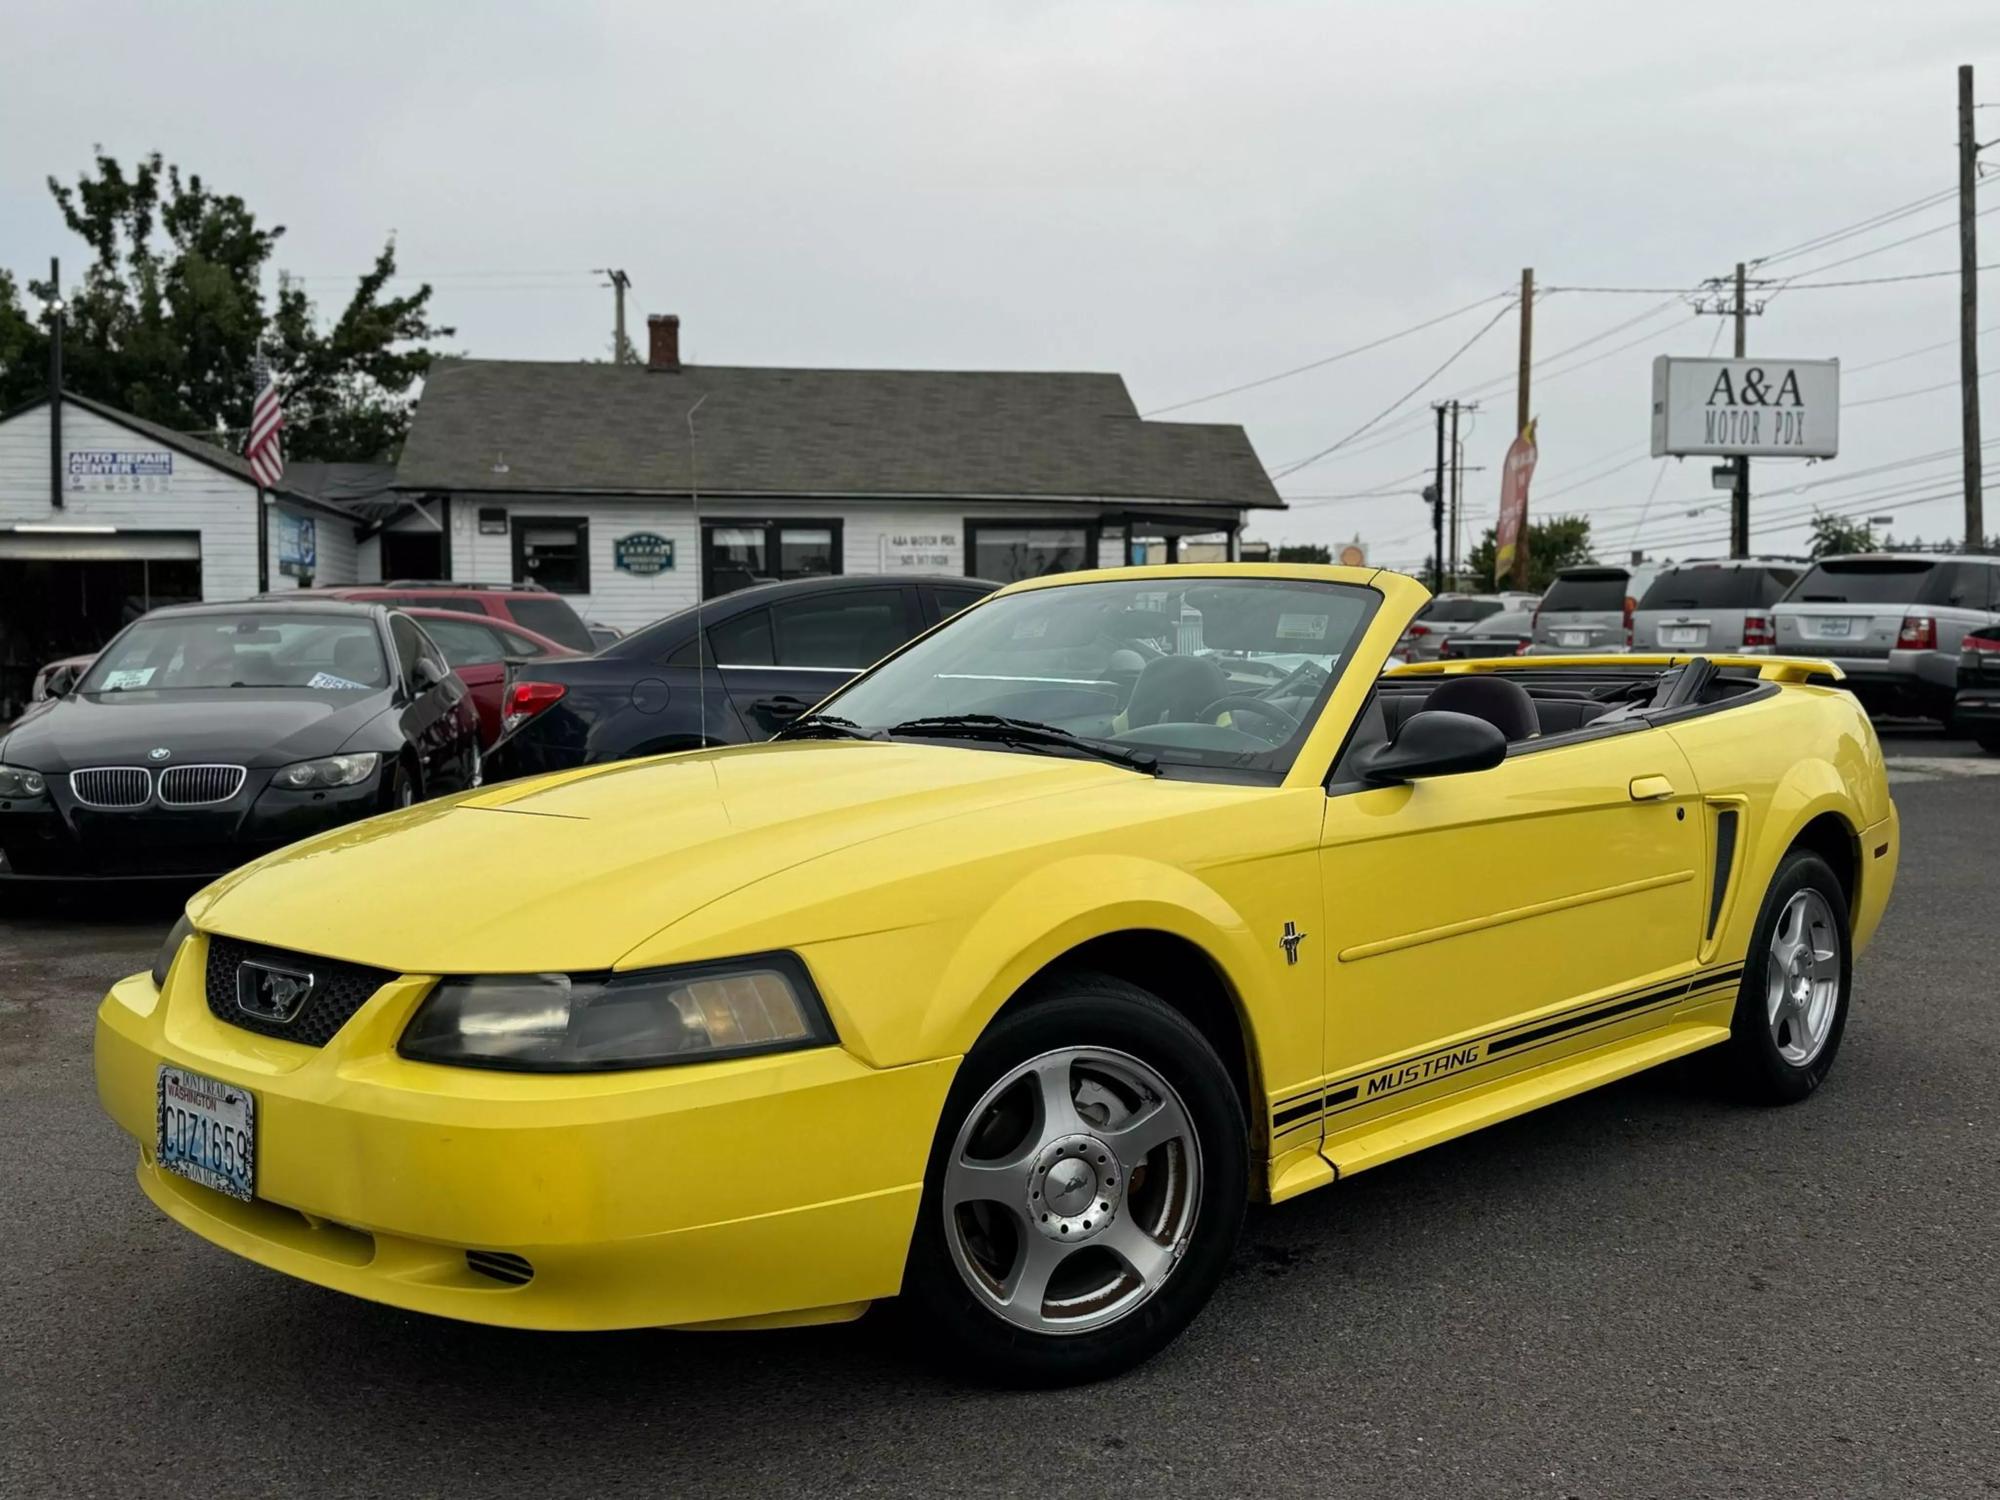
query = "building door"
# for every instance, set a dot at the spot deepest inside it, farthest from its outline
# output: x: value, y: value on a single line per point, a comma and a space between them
x: 66, y: 595
x: 412, y: 554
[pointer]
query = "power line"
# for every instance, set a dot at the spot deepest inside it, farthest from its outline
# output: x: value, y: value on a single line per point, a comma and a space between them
x: 1848, y: 260
x: 1807, y: 286
x: 1947, y: 385
x: 1835, y: 236
x: 1913, y: 353
x: 1251, y: 385
x: 1452, y: 359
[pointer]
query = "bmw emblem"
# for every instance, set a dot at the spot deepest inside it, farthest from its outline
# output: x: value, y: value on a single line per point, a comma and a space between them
x: 159, y: 752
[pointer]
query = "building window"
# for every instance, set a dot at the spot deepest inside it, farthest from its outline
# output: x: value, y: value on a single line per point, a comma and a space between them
x: 553, y: 552
x: 736, y: 554
x: 1009, y: 553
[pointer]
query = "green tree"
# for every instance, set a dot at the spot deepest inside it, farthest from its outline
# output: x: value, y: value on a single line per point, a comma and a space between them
x: 1555, y: 544
x: 1832, y: 535
x: 170, y: 315
x: 1305, y: 552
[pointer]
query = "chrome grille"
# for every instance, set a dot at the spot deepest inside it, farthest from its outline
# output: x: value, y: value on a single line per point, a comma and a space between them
x: 192, y: 786
x: 112, y: 786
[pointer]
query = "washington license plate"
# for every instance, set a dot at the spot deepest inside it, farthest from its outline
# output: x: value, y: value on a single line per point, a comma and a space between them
x: 1680, y: 635
x: 208, y: 1132
x: 1572, y: 637
x: 1833, y: 627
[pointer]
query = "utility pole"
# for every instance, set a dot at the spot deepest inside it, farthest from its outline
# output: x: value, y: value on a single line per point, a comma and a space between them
x: 1457, y: 484
x: 1968, y: 314
x: 1739, y: 498
x: 622, y: 352
x: 1527, y: 347
x: 1437, y: 507
x: 55, y: 383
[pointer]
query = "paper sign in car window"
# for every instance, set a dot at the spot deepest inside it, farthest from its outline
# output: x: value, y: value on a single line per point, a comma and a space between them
x: 131, y: 677
x: 1031, y: 629
x: 328, y: 680
x: 1302, y: 627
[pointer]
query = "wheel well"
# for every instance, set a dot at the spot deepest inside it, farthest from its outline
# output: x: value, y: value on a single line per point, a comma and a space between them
x: 1178, y: 972
x: 1832, y: 840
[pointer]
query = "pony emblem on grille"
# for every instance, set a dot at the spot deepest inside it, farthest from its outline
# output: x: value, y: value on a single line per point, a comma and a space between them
x: 270, y: 993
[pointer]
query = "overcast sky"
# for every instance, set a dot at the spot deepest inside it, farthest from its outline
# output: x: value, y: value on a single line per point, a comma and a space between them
x: 1193, y: 195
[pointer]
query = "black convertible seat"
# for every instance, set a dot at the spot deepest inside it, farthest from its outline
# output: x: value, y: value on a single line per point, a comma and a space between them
x: 1503, y: 704
x: 1552, y: 715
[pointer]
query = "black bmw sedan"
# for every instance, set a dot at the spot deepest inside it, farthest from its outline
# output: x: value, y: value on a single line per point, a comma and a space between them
x: 740, y: 668
x: 206, y: 735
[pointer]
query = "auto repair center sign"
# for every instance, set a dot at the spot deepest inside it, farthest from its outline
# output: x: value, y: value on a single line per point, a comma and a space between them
x: 1759, y: 408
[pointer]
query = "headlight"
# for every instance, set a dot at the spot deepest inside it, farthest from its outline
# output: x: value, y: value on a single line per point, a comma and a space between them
x: 17, y: 782
x: 183, y: 930
x: 580, y: 1023
x: 331, y: 770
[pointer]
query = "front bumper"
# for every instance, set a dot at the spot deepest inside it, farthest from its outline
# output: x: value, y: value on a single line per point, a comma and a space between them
x: 53, y: 837
x: 768, y: 1189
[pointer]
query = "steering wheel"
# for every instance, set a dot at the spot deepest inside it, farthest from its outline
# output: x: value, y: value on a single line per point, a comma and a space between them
x: 1237, y: 703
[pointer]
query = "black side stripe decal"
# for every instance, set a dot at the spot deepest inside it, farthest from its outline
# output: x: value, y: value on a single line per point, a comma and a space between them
x: 1425, y: 1067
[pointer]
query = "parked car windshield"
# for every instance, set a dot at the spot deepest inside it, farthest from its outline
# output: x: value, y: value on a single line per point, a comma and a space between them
x: 335, y: 655
x: 1712, y: 588
x: 1866, y: 581
x: 1459, y: 611
x: 1218, y: 672
x: 1586, y: 591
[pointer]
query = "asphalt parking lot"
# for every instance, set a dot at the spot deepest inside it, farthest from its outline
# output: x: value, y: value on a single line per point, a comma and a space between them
x: 1643, y: 1292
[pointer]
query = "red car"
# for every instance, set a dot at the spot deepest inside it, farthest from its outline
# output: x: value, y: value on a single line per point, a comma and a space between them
x: 477, y: 647
x: 527, y: 606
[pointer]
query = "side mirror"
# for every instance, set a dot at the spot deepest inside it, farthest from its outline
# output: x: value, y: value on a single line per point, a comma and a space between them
x: 1435, y: 743
x: 427, y: 674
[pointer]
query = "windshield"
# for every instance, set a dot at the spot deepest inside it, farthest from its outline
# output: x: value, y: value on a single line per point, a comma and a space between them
x: 1202, y: 672
x: 1715, y: 588
x: 336, y: 655
x: 1873, y: 581
x: 1459, y: 611
x: 1600, y: 592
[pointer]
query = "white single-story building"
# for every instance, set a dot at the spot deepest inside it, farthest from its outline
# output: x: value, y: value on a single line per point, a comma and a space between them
x: 632, y: 488
x: 104, y: 515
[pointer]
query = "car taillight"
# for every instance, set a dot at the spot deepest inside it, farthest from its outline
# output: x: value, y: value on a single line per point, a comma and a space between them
x: 1522, y: 649
x: 1418, y: 630
x: 1630, y: 605
x: 1978, y: 644
x: 1919, y: 633
x: 526, y: 699
x: 1759, y: 631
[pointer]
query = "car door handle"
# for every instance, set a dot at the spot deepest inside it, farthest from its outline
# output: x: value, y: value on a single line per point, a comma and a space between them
x: 784, y: 704
x: 1651, y: 788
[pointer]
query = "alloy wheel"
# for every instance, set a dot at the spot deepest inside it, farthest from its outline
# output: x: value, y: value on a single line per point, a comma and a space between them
x: 1802, y: 977
x: 1072, y: 1189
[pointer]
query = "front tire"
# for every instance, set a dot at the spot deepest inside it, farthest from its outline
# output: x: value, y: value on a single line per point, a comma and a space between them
x: 1792, y: 1007
x: 1084, y: 1193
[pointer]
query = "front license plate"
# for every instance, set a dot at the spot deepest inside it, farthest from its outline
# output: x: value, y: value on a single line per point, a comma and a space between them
x: 1680, y: 635
x: 1572, y: 637
x: 1834, y: 627
x: 208, y: 1132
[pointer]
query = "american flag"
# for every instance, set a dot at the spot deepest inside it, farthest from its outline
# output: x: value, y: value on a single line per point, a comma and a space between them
x: 267, y: 419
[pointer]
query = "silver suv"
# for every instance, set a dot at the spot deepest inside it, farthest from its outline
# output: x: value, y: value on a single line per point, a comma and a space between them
x: 1714, y: 606
x: 1893, y: 622
x: 1591, y: 608
x: 1448, y: 615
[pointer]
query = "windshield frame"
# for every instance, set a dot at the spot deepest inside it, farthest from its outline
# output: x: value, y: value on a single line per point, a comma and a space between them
x: 91, y: 683
x: 1263, y: 768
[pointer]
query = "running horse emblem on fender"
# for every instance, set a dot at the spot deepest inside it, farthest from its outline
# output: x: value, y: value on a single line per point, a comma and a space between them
x: 1290, y: 942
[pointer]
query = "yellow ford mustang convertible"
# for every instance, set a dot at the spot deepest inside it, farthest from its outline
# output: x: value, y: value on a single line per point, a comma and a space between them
x: 1004, y: 979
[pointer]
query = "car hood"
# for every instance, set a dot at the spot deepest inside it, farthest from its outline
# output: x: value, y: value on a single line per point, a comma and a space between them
x: 573, y: 871
x: 238, y: 726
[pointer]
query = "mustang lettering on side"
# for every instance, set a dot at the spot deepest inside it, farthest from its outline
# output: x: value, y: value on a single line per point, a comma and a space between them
x: 986, y: 983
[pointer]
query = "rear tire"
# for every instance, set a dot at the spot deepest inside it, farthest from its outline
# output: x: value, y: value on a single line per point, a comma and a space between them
x: 1792, y: 1007
x: 1084, y: 1193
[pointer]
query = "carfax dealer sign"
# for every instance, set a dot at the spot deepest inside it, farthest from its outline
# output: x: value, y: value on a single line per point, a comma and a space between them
x: 1762, y: 408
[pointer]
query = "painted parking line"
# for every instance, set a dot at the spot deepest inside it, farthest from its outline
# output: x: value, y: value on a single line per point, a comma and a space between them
x: 1906, y: 768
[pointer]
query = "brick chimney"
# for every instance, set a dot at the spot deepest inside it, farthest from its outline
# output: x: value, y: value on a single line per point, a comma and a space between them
x: 663, y: 334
